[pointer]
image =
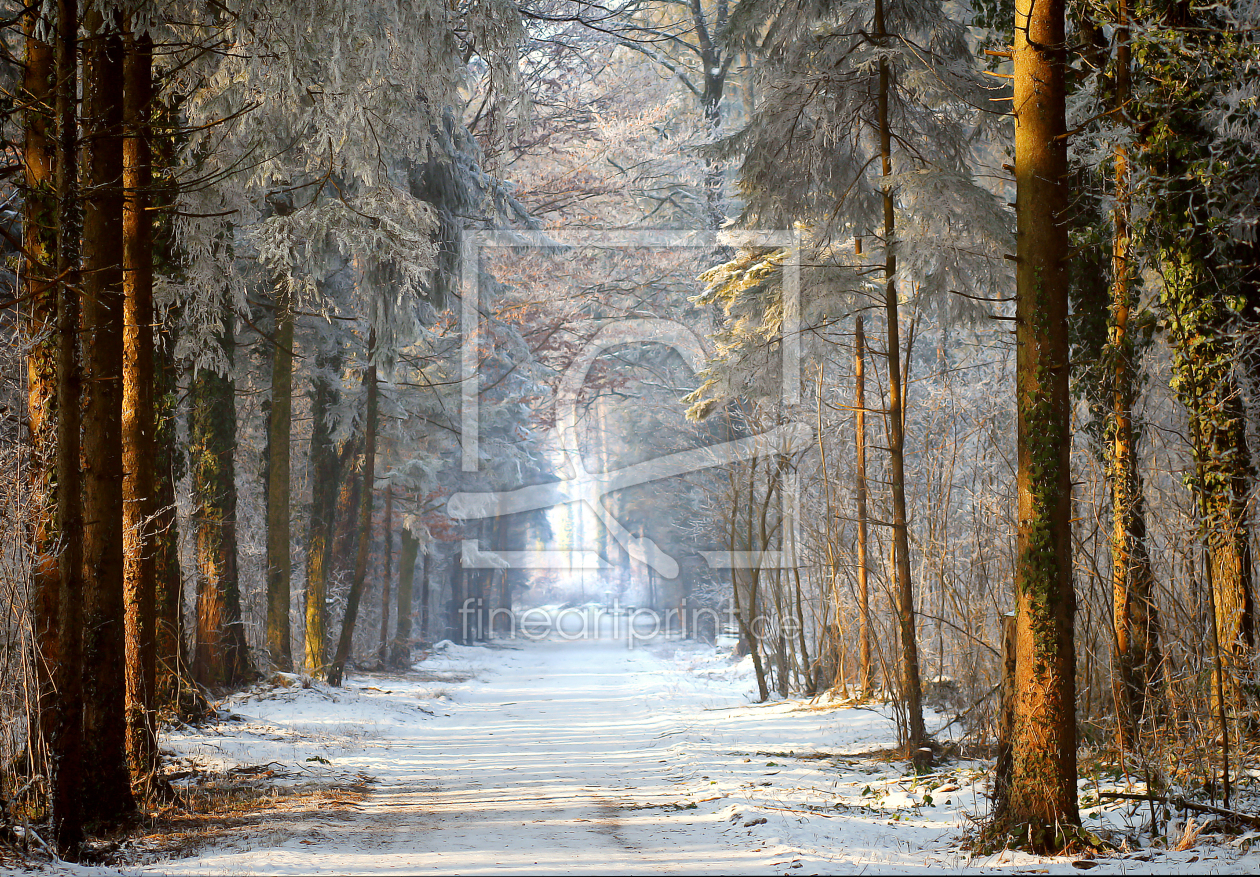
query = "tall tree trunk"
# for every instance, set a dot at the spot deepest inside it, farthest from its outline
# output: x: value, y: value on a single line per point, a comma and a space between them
x: 1135, y: 617
x: 746, y: 610
x: 388, y: 533
x: 425, y: 595
x: 39, y: 340
x: 709, y: 40
x: 1223, y: 473
x: 220, y: 654
x: 1040, y: 807
x: 1203, y: 322
x: 911, y: 687
x: 454, y: 621
x: 107, y: 783
x: 324, y: 468
x: 337, y: 669
x: 279, y: 565
x: 172, y: 672
x: 400, y: 649
x: 863, y: 565
x: 65, y: 743
x: 139, y: 423
x: 349, y: 495
x: 168, y: 580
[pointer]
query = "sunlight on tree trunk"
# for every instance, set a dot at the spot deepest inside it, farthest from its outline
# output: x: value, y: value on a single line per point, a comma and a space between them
x: 1039, y: 810
x: 1136, y: 618
x: 39, y: 340
x: 337, y: 669
x: 220, y: 655
x: 139, y: 422
x: 324, y: 469
x: 865, y: 685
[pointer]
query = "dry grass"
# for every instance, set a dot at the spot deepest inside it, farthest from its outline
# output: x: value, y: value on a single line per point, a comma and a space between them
x: 212, y: 807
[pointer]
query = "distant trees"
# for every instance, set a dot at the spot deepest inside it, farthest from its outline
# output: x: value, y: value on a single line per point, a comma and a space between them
x: 187, y: 151
x: 260, y: 208
x: 849, y: 86
x: 220, y: 656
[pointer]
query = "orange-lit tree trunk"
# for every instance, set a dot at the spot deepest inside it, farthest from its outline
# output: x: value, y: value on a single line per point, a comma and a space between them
x: 139, y: 421
x: 38, y: 291
x: 1136, y: 620
x: 859, y: 464
x: 337, y: 669
x: 324, y: 467
x: 1039, y: 807
x: 220, y: 654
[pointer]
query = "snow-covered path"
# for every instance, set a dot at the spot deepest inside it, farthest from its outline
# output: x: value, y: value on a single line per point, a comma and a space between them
x: 549, y: 768
x: 587, y: 756
x: 560, y: 757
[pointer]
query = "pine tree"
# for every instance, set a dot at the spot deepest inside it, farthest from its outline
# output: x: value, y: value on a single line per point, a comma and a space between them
x: 1038, y: 804
x: 325, y: 470
x: 1136, y: 618
x: 65, y: 744
x: 139, y: 412
x: 279, y: 430
x: 400, y: 648
x: 220, y: 653
x: 337, y: 669
x: 107, y: 783
x: 843, y: 86
x: 39, y: 339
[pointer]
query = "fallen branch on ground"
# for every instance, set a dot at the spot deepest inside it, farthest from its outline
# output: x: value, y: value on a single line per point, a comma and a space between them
x: 1182, y: 804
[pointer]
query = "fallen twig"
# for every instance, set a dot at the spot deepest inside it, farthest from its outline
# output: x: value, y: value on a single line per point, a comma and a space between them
x: 1182, y: 804
x: 27, y: 831
x: 809, y: 812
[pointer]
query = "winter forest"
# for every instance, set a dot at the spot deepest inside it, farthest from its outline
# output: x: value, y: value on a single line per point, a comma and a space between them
x: 642, y: 436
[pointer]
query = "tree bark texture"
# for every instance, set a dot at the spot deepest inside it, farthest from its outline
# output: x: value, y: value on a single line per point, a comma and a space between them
x: 911, y: 686
x: 400, y: 649
x: 382, y: 653
x: 1040, y: 808
x: 324, y: 469
x: 1136, y: 619
x: 426, y: 595
x: 139, y: 419
x: 279, y: 432
x: 172, y: 661
x: 38, y: 289
x: 859, y: 465
x: 107, y: 783
x: 65, y: 743
x: 220, y: 655
x: 337, y: 669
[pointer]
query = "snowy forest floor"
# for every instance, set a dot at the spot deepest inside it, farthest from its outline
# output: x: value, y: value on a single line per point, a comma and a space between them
x: 574, y: 757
